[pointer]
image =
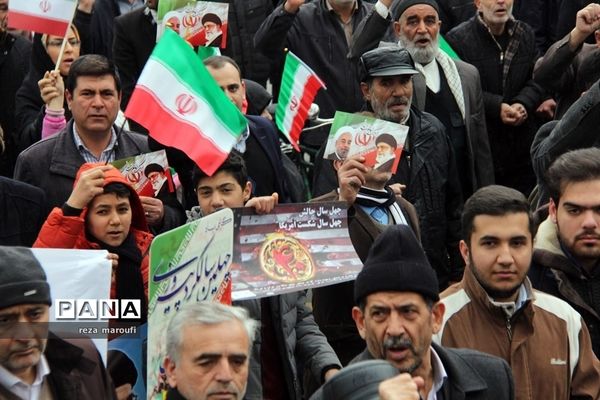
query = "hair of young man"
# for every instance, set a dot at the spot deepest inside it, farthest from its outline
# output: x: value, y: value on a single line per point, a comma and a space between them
x: 497, y: 201
x: 574, y: 166
x: 362, y: 304
x: 218, y: 62
x: 205, y: 313
x: 234, y: 165
x: 91, y: 65
x: 120, y: 189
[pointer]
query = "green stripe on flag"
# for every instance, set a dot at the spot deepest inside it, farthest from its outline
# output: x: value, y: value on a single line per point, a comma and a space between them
x: 207, y: 51
x: 285, y: 91
x: 446, y: 48
x: 178, y: 57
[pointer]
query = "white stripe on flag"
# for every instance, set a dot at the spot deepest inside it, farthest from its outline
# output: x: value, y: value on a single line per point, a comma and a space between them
x: 300, y: 79
x: 157, y: 78
x: 60, y: 10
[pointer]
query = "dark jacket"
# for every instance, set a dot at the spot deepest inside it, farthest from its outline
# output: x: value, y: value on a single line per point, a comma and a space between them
x: 22, y: 212
x: 506, y: 77
x: 101, y: 26
x: 576, y: 130
x: 15, y: 52
x: 29, y: 106
x: 52, y: 164
x: 559, y: 72
x: 315, y: 35
x: 134, y: 39
x: 368, y: 36
x: 428, y: 170
x: 76, y: 371
x: 472, y: 375
x: 553, y: 272
x: 332, y: 305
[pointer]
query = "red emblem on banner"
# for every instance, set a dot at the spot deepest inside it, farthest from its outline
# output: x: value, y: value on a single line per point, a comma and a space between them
x: 363, y: 139
x: 190, y: 20
x: 45, y: 6
x: 293, y: 103
x: 186, y: 104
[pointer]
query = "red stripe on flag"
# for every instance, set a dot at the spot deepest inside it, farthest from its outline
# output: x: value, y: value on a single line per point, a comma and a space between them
x: 313, y: 84
x: 31, y: 22
x: 172, y: 131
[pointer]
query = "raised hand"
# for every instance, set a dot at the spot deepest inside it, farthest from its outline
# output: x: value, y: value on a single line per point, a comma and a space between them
x: 89, y: 185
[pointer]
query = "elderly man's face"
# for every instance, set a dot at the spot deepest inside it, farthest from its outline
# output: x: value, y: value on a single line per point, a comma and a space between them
x: 495, y: 12
x: 23, y: 338
x: 213, y: 362
x: 398, y: 326
x: 417, y: 31
x: 390, y: 96
x: 342, y: 145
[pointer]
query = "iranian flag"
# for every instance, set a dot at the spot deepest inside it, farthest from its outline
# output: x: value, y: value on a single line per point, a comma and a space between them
x: 42, y: 16
x: 180, y: 104
x: 299, y: 85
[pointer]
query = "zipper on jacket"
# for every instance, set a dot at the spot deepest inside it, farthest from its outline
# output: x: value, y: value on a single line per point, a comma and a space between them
x: 501, y: 57
x: 509, y: 329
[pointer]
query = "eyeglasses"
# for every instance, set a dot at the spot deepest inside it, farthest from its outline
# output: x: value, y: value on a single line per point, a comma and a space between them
x: 74, y: 42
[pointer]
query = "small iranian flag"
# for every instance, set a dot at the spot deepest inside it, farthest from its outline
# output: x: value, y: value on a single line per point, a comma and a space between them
x: 299, y: 85
x: 180, y: 104
x: 42, y: 16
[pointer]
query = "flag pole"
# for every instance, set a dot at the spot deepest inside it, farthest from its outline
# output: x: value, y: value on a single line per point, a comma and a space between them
x: 64, y: 42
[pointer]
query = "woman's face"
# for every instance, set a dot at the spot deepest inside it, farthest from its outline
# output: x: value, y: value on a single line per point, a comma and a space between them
x: 71, y: 53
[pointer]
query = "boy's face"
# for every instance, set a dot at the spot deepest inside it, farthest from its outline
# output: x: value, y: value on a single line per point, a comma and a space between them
x: 109, y: 218
x: 219, y: 191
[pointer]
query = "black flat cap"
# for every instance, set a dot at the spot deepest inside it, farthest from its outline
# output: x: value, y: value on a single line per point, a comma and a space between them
x: 386, y: 61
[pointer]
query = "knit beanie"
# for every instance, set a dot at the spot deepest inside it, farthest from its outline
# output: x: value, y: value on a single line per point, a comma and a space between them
x: 404, y: 4
x: 22, y: 278
x: 396, y: 263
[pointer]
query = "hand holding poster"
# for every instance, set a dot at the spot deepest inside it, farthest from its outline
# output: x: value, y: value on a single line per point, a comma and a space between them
x: 188, y: 264
x: 148, y: 173
x: 380, y: 142
x: 295, y: 247
x: 200, y: 23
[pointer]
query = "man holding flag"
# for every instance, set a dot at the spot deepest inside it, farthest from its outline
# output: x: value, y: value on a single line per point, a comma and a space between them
x: 448, y: 88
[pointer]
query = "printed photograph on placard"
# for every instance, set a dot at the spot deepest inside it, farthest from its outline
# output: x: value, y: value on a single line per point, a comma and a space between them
x: 380, y: 142
x: 295, y: 247
x: 148, y: 173
x: 200, y: 23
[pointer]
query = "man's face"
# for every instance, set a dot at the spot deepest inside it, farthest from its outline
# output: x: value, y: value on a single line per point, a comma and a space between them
x: 3, y: 14
x: 211, y: 27
x: 499, y: 253
x: 495, y: 12
x: 22, y: 344
x: 229, y: 80
x: 417, y: 31
x: 578, y: 219
x: 109, y: 218
x: 384, y: 149
x: 390, y: 96
x: 213, y: 362
x: 94, y: 104
x: 157, y: 179
x: 398, y: 326
x: 220, y: 191
x: 342, y: 145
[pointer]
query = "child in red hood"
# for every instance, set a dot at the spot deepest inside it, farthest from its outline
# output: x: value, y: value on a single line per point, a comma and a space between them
x: 104, y: 212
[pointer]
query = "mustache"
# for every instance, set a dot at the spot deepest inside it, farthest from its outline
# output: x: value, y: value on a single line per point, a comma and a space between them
x: 398, y: 343
x: 587, y: 234
x: 226, y: 387
x: 398, y: 101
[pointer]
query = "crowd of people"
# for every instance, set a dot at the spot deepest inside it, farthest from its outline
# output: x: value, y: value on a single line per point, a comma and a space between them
x: 479, y: 251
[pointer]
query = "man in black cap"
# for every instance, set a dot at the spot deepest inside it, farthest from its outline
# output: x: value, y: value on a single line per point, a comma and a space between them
x: 212, y: 29
x: 36, y: 364
x: 398, y: 312
x: 427, y: 165
x: 448, y: 88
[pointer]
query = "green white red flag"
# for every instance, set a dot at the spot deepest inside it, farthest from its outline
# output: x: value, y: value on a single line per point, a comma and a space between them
x: 299, y: 85
x: 42, y: 16
x: 182, y: 106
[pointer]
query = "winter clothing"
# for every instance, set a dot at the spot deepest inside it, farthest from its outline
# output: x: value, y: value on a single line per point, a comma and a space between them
x: 557, y: 273
x: 471, y: 375
x: 506, y: 77
x: 69, y: 232
x: 23, y: 279
x: 22, y: 212
x: 544, y: 341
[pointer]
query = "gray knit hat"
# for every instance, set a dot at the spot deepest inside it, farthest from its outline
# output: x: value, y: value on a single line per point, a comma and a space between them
x: 22, y: 278
x: 396, y: 263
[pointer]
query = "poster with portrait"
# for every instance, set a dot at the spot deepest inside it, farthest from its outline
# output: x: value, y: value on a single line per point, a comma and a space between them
x: 200, y: 23
x: 295, y: 247
x: 126, y: 364
x: 188, y: 264
x: 148, y: 173
x: 380, y: 142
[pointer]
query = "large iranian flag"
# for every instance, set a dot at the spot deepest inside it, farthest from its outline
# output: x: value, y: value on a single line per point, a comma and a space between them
x: 180, y: 104
x: 299, y: 85
x: 42, y: 16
